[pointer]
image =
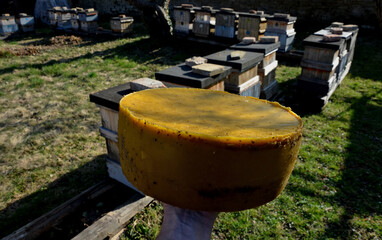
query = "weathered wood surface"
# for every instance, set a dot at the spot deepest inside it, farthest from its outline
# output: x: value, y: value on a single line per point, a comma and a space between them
x: 208, y: 69
x: 42, y: 224
x: 237, y: 78
x: 249, y: 88
x: 267, y: 79
x: 270, y: 92
x: 225, y: 24
x: 323, y: 55
x: 114, y: 221
x: 269, y: 59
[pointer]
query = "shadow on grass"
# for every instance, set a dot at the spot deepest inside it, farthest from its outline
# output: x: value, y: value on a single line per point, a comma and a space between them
x: 57, y: 192
x: 360, y: 186
x: 142, y: 51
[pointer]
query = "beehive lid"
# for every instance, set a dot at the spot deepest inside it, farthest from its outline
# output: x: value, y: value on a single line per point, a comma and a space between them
x: 317, y: 41
x: 205, y: 9
x: 111, y: 97
x: 264, y: 48
x: 258, y: 14
x: 322, y: 32
x: 123, y: 18
x: 226, y: 11
x: 90, y: 12
x: 183, y: 75
x: 183, y: 8
x: 248, y: 61
x: 283, y: 17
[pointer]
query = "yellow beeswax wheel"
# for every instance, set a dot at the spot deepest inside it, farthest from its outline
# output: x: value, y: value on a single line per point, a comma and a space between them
x: 207, y: 150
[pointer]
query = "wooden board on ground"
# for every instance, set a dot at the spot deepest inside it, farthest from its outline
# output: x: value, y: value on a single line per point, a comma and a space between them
x: 42, y: 224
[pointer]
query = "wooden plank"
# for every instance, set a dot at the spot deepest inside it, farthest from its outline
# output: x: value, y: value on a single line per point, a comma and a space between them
x: 109, y: 134
x: 40, y: 225
x: 114, y: 221
x: 208, y: 69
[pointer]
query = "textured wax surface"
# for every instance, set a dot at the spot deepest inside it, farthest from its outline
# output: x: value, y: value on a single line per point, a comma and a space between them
x: 212, y: 113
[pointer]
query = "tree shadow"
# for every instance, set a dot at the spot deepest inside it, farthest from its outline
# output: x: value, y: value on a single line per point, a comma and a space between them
x: 360, y: 188
x: 25, y: 210
x: 144, y: 50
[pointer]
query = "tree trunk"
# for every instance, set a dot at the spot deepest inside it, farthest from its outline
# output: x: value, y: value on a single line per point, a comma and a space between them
x: 155, y: 15
x: 378, y: 5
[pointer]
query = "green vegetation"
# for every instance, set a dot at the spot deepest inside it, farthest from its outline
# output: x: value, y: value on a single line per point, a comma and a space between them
x: 50, y: 148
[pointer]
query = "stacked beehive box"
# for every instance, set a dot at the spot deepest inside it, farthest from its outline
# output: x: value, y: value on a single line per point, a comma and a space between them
x: 252, y: 24
x: 282, y: 26
x: 53, y: 16
x: 8, y: 25
x: 349, y: 34
x: 25, y: 22
x: 63, y: 19
x: 320, y: 62
x: 243, y: 79
x: 74, y: 18
x: 121, y: 24
x: 108, y: 103
x: 183, y: 16
x: 88, y: 20
x: 268, y: 65
x: 225, y: 25
x: 204, y: 20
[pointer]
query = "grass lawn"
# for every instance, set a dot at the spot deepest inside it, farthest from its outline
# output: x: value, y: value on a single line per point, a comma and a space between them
x: 51, y: 150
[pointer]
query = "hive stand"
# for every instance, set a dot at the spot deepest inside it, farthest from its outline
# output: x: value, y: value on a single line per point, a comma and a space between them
x: 243, y: 79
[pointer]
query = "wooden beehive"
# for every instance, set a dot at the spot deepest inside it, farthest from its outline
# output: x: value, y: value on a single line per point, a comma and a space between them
x: 64, y: 14
x: 89, y: 15
x: 183, y: 19
x: 281, y: 25
x: 267, y: 67
x: 250, y: 88
x: 320, y: 69
x: 121, y: 24
x: 88, y: 26
x: 243, y: 69
x: 8, y: 25
x: 225, y: 23
x: 251, y: 25
x: 201, y: 25
x: 344, y: 63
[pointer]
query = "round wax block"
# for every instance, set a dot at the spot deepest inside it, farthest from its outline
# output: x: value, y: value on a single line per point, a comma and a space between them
x: 207, y: 150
